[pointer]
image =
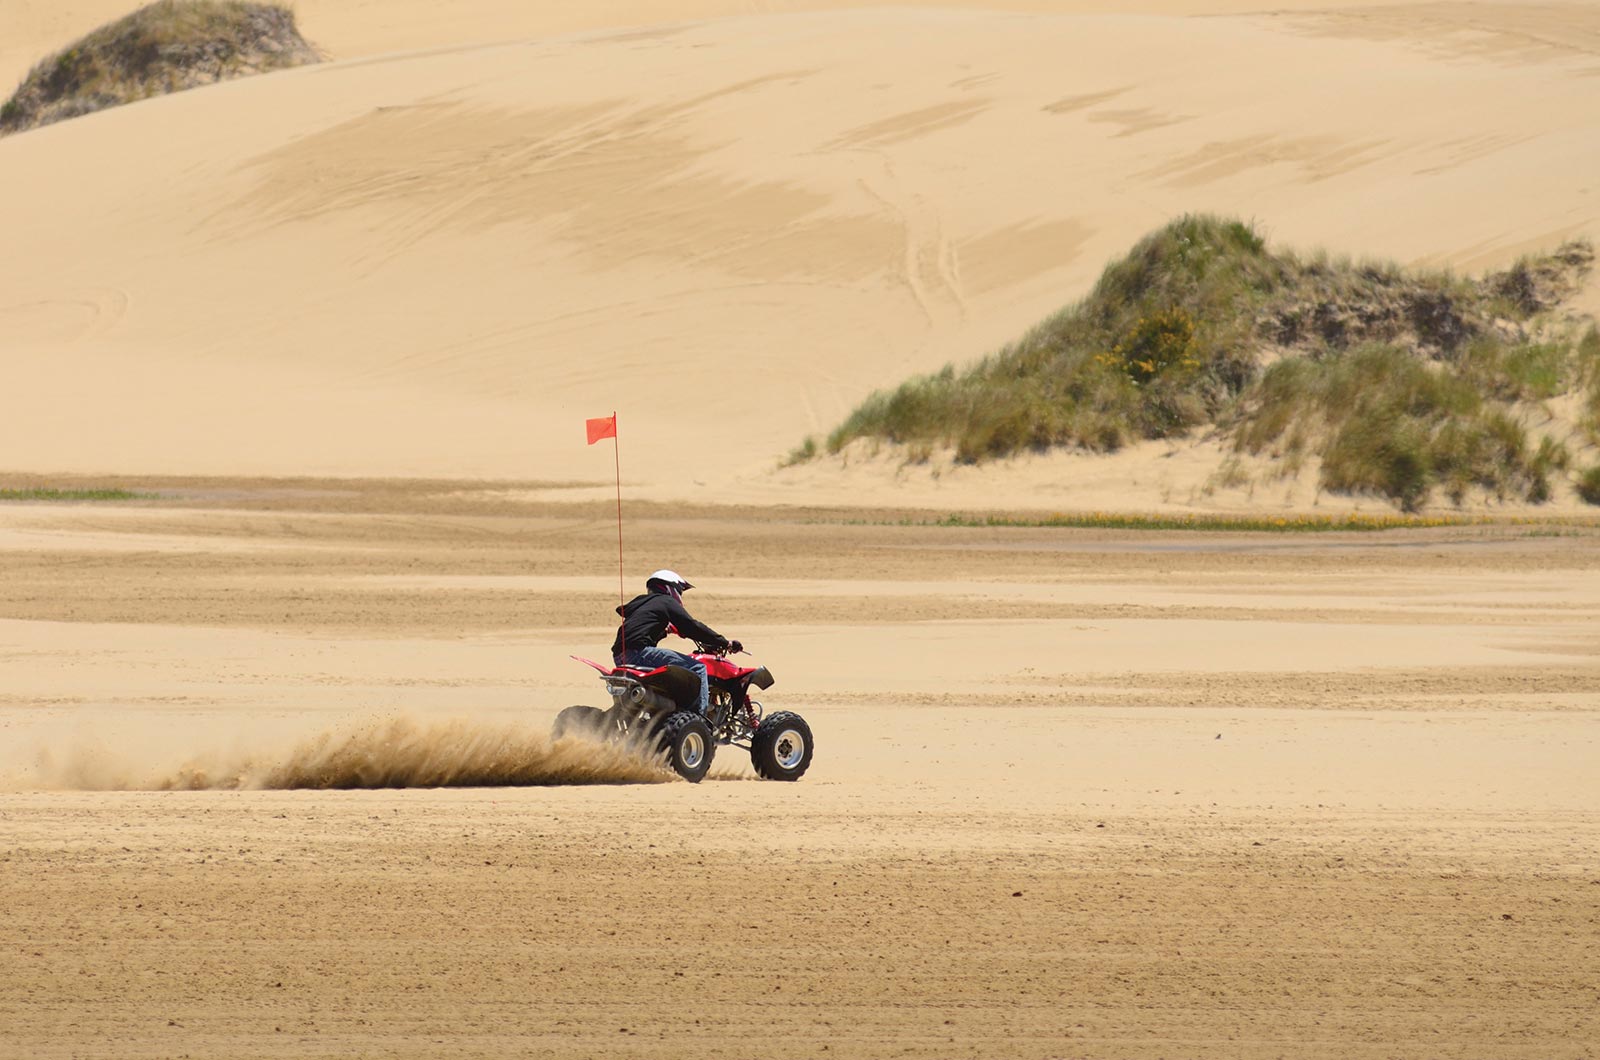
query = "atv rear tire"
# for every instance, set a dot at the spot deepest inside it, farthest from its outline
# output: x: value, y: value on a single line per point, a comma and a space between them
x: 686, y: 740
x: 585, y: 723
x: 781, y: 748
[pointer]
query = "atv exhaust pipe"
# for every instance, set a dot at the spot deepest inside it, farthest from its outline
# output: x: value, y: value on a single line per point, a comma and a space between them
x: 645, y: 700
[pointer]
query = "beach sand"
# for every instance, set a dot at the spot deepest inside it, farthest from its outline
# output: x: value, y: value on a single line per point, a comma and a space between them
x: 1075, y: 793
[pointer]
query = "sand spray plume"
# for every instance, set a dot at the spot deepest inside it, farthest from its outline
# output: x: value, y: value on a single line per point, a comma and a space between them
x: 403, y: 753
x: 391, y: 752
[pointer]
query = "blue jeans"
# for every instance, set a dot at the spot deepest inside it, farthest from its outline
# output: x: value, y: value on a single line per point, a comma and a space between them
x: 653, y: 657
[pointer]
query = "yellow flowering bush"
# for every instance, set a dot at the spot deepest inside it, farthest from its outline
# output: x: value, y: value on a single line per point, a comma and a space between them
x: 1158, y: 344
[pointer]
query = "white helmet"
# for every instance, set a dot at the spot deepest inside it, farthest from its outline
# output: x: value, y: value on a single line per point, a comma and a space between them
x: 674, y: 582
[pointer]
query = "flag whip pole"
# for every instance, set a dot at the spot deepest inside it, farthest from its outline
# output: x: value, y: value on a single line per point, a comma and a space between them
x: 616, y: 452
x: 595, y: 430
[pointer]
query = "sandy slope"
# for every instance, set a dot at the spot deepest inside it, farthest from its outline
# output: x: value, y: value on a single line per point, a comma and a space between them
x: 1076, y: 794
x: 437, y: 263
x: 349, y: 29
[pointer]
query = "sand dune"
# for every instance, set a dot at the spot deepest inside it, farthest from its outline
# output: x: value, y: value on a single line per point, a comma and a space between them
x: 730, y: 230
x: 350, y: 29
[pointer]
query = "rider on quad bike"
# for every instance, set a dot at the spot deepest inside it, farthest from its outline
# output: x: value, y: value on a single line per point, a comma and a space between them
x: 659, y: 611
x: 686, y: 706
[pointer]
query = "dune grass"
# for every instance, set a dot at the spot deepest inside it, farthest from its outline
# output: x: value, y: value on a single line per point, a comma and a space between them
x: 1589, y: 485
x: 1389, y: 423
x: 1272, y: 524
x: 1401, y: 381
x: 38, y: 493
x: 1244, y: 523
x: 806, y: 450
x: 163, y: 47
x: 1587, y: 371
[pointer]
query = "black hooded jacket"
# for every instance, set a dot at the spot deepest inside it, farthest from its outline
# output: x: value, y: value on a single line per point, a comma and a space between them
x: 645, y: 620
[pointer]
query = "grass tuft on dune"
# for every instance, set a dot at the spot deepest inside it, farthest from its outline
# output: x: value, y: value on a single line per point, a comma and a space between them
x: 41, y: 493
x: 1400, y: 381
x: 163, y: 47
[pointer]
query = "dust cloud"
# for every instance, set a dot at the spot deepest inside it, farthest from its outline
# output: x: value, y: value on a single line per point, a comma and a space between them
x: 398, y: 752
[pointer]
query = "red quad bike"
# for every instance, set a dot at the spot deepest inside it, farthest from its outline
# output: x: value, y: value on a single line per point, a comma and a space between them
x: 659, y: 705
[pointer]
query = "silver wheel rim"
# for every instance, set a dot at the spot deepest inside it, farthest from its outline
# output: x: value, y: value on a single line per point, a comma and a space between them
x: 789, y: 748
x: 692, y: 750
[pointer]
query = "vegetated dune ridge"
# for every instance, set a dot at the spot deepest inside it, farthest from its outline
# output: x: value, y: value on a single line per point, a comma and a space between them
x: 166, y: 46
x: 1395, y: 383
x: 729, y: 231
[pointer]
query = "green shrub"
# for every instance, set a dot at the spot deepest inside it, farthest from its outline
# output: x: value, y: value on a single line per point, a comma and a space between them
x: 1589, y: 485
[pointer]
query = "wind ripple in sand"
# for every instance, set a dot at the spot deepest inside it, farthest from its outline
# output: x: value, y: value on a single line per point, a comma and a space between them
x: 392, y: 753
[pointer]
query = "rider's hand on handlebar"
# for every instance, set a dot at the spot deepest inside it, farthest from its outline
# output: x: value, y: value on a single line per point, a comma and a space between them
x: 734, y: 647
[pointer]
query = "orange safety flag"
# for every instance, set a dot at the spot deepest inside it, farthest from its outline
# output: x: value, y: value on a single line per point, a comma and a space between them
x: 604, y: 427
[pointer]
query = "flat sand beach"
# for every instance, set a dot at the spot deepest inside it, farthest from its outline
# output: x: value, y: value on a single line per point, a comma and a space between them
x: 1076, y: 793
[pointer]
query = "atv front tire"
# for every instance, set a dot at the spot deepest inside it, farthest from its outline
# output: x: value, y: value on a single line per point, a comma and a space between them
x: 781, y: 748
x: 587, y: 723
x: 686, y: 740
